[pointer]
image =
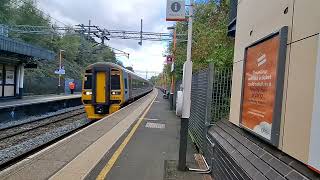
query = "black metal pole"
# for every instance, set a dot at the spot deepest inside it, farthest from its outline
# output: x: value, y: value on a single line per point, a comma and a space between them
x: 183, y: 144
x: 140, y: 43
x: 171, y: 100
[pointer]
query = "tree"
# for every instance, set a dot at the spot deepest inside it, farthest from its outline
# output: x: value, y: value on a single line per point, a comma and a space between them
x: 210, y: 41
x: 154, y: 79
x: 5, y: 11
x: 78, y: 53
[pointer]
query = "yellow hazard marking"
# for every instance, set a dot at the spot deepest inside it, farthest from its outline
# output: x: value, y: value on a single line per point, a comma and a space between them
x: 104, y: 172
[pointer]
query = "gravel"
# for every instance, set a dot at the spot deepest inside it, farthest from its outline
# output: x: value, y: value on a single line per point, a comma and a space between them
x: 31, y: 126
x: 35, y: 118
x: 29, y: 144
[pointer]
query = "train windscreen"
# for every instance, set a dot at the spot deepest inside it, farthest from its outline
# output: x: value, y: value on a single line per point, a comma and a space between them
x: 115, y: 82
x: 88, y: 82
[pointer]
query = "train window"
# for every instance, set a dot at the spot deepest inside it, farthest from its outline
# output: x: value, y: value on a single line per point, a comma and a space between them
x: 115, y: 82
x: 134, y: 83
x: 88, y: 82
x: 125, y: 83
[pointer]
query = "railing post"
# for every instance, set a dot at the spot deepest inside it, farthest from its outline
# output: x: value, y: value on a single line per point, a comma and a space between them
x: 208, y: 115
x: 209, y: 94
x: 171, y: 100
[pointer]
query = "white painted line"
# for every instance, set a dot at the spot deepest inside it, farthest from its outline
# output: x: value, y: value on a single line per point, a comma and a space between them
x: 155, y: 125
x: 9, y: 173
x: 81, y: 165
x: 150, y: 119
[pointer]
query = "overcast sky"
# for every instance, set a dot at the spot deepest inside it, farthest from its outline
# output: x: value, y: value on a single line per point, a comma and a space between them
x: 122, y: 15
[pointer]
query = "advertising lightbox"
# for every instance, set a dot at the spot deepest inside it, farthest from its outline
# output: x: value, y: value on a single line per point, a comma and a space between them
x: 263, y: 79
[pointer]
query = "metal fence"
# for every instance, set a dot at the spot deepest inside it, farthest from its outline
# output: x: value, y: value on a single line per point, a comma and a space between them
x: 47, y: 85
x: 221, y: 94
x: 199, y: 103
x: 210, y: 102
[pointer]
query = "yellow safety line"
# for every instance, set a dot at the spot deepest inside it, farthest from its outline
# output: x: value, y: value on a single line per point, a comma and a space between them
x: 104, y: 172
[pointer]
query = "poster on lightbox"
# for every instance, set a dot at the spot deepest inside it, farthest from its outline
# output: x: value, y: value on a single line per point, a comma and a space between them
x: 260, y: 87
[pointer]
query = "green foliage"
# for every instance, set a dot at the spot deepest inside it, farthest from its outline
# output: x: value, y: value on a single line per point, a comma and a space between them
x: 78, y: 52
x: 5, y: 9
x: 153, y: 79
x: 210, y: 41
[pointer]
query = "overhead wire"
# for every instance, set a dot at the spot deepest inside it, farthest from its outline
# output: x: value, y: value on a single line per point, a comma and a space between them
x: 114, y: 33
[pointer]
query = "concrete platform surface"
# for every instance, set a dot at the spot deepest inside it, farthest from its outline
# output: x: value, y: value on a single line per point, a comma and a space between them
x: 152, y: 152
x: 75, y: 156
x: 28, y: 100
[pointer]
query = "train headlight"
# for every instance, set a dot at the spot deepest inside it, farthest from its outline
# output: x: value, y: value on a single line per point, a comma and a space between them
x: 88, y: 93
x: 115, y: 92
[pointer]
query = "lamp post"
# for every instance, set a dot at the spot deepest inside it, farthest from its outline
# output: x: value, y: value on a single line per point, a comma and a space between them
x: 186, y: 102
x: 60, y: 66
x: 176, y: 12
x: 172, y: 66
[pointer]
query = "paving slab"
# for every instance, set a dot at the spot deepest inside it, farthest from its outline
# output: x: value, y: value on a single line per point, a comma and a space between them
x: 59, y: 161
x: 152, y: 152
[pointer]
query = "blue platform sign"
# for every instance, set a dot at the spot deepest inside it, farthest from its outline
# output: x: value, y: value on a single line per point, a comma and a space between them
x: 60, y: 71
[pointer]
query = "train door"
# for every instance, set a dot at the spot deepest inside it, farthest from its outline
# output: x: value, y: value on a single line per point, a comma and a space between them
x: 126, y: 87
x: 101, y: 87
x: 101, y: 90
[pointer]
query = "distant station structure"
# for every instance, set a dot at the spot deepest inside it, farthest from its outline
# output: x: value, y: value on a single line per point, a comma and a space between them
x: 15, y: 56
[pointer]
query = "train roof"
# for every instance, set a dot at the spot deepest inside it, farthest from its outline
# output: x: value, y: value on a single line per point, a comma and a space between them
x: 112, y: 65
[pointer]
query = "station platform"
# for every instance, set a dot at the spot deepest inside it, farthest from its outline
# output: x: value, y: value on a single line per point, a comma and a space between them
x: 30, y: 100
x: 140, y: 141
x: 12, y: 110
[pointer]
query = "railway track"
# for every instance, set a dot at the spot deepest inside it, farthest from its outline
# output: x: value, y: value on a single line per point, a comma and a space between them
x: 41, y: 118
x: 15, y: 130
x: 19, y: 141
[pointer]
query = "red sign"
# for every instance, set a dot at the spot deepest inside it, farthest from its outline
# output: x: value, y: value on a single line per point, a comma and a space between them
x: 169, y: 60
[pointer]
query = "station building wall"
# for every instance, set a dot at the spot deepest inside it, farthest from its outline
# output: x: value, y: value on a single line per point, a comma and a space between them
x: 300, y: 118
x: 10, y: 77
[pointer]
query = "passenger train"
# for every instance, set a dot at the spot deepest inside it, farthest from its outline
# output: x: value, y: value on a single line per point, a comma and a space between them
x: 107, y: 87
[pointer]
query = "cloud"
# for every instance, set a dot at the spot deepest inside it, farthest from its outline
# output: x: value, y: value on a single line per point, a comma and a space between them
x: 121, y: 15
x: 150, y: 58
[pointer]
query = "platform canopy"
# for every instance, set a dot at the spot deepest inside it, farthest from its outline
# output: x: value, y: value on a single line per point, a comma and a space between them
x: 24, y: 49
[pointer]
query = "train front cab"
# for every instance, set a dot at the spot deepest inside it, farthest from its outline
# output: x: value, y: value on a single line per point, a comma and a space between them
x: 102, y: 94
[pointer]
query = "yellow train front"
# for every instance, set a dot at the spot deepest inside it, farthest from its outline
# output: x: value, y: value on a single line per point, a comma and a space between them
x: 107, y: 87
